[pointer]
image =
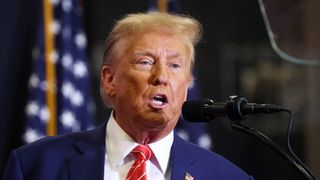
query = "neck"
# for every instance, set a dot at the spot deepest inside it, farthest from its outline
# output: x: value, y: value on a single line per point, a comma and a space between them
x: 144, y: 133
x: 147, y: 137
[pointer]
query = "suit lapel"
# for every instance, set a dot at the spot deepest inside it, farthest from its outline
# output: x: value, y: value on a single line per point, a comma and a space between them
x: 88, y: 163
x: 181, y: 159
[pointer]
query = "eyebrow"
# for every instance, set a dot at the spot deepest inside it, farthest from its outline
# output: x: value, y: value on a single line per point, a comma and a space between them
x: 152, y: 53
x: 142, y: 53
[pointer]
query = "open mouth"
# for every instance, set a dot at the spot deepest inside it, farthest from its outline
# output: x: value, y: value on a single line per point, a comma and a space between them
x: 159, y: 100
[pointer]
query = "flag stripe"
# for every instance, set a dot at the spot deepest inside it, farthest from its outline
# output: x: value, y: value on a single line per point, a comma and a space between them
x: 51, y: 128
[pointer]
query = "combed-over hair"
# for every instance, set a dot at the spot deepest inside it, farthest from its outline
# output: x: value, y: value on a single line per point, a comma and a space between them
x: 133, y: 24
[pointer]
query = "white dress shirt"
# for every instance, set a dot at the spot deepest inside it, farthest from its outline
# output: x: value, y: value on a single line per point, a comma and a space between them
x: 118, y: 159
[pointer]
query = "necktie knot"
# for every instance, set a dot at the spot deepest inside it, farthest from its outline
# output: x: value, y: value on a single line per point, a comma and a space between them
x: 138, y: 169
x: 142, y: 152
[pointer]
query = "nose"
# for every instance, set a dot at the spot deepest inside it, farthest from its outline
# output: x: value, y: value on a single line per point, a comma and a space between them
x: 159, y: 75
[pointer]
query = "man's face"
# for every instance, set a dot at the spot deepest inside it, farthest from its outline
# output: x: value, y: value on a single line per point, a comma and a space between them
x: 150, y: 78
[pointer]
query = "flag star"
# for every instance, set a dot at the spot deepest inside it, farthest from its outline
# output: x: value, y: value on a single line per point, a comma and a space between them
x: 67, y: 60
x: 67, y: 89
x: 183, y: 134
x: 77, y: 98
x: 31, y: 135
x: 44, y: 114
x: 204, y: 141
x: 34, y: 81
x: 80, y: 40
x: 32, y: 108
x: 79, y: 69
x: 66, y: 5
x: 55, y: 27
x: 68, y: 120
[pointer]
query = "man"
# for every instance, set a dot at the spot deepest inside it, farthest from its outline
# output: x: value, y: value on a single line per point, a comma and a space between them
x: 145, y: 75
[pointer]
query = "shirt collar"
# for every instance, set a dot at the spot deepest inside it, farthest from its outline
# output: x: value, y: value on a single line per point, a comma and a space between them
x: 119, y: 144
x: 162, y: 149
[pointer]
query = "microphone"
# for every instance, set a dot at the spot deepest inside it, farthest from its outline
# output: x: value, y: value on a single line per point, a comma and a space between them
x: 236, y: 108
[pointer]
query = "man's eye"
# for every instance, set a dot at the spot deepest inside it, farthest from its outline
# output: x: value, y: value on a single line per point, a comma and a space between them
x: 145, y: 62
x: 175, y: 65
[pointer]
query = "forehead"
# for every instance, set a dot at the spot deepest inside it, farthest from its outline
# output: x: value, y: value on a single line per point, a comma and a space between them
x: 157, y: 39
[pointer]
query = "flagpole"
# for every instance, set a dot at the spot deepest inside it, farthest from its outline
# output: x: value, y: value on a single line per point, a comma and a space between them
x: 51, y: 128
x: 163, y: 5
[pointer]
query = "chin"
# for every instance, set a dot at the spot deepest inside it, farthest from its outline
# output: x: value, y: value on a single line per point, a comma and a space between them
x: 156, y: 120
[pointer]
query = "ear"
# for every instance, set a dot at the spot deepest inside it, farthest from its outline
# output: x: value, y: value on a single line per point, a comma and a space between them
x: 107, y: 81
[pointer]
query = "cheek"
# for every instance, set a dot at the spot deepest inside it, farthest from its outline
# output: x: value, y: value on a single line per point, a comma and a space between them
x: 130, y: 85
x: 180, y: 91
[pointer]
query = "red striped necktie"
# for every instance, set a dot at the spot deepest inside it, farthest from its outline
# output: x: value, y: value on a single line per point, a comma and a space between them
x: 138, y: 169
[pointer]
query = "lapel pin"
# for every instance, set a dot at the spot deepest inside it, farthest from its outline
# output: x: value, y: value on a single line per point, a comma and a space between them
x: 188, y: 176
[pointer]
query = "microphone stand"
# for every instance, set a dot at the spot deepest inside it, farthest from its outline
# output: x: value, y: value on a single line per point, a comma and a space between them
x: 236, y: 125
x: 236, y: 109
x: 235, y: 114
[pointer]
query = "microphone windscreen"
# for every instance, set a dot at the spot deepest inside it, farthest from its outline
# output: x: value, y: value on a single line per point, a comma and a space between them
x: 194, y: 111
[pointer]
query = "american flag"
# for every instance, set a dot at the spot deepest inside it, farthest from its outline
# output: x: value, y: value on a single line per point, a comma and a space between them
x: 193, y: 132
x: 59, y: 98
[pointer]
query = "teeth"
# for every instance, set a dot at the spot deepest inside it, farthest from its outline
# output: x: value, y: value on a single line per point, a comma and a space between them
x: 158, y: 97
x: 157, y: 102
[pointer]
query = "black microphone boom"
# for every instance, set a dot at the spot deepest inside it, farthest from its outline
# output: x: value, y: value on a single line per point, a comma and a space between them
x: 236, y: 108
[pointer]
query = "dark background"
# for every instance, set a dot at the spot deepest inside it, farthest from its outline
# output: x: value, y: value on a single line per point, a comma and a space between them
x: 234, y: 57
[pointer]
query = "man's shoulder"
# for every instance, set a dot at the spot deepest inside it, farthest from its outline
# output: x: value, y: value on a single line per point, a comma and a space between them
x: 200, y: 153
x: 50, y: 157
x: 48, y: 145
x: 62, y: 144
x: 209, y: 163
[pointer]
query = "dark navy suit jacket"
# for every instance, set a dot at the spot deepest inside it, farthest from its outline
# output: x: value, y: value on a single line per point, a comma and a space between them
x: 80, y: 156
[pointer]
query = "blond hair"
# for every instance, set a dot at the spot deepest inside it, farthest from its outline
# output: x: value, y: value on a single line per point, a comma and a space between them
x: 135, y: 24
